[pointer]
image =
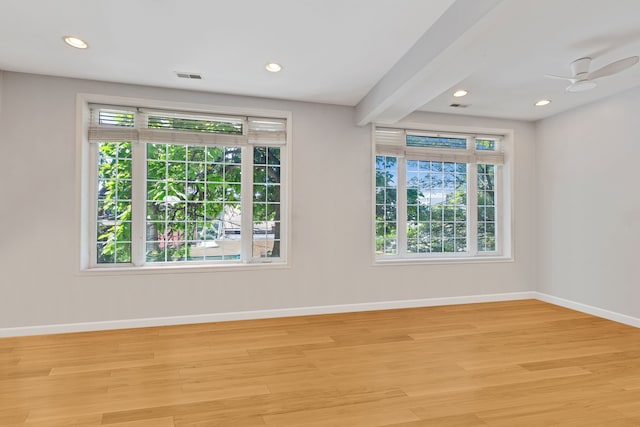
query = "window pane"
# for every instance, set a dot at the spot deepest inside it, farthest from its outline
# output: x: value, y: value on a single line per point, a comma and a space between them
x: 417, y: 231
x: 196, y: 153
x: 113, y: 221
x: 379, y: 237
x: 274, y: 155
x: 194, y: 125
x: 436, y: 207
x: 193, y: 212
x: 266, y: 202
x: 260, y: 156
x: 232, y: 155
x: 156, y: 151
x: 215, y: 155
x: 386, y: 192
x: 486, y: 208
x: 273, y: 193
x: 486, y: 144
x: 175, y: 152
x: 105, y: 256
x: 116, y: 118
x: 438, y: 142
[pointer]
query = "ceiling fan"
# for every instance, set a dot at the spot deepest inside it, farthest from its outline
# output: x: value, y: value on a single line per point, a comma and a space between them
x: 583, y: 80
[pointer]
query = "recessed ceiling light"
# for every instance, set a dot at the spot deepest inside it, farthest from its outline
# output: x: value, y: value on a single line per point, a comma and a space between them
x: 76, y: 42
x: 460, y: 93
x: 542, y: 103
x: 273, y: 67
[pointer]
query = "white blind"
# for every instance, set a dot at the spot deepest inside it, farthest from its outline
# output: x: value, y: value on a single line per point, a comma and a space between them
x: 439, y: 154
x: 393, y: 142
x: 267, y: 131
x: 390, y: 142
x: 114, y: 123
x: 110, y: 123
x: 189, y: 137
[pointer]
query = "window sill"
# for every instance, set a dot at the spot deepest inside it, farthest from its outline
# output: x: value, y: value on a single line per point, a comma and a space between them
x: 444, y: 260
x: 181, y: 269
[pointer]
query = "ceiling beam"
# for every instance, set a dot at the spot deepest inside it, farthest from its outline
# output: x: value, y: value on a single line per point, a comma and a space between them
x: 438, y: 60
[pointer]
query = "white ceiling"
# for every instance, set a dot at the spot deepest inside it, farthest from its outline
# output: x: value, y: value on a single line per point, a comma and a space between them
x: 388, y: 58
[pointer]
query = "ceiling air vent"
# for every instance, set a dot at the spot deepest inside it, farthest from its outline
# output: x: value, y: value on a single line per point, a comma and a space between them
x: 459, y: 105
x: 191, y: 76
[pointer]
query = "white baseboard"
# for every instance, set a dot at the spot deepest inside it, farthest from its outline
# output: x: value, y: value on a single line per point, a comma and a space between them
x: 306, y: 311
x: 589, y: 309
x: 259, y: 314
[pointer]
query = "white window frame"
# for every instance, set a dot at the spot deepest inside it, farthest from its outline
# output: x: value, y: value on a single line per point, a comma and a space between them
x: 393, y: 144
x: 87, y: 189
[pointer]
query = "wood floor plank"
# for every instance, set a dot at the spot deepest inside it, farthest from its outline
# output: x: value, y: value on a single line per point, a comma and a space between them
x: 463, y: 420
x: 347, y: 416
x: 206, y: 419
x: 154, y: 422
x: 92, y: 420
x: 511, y: 363
x: 12, y: 415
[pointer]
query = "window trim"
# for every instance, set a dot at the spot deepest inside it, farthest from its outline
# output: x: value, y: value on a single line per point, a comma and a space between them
x: 504, y: 192
x: 86, y: 182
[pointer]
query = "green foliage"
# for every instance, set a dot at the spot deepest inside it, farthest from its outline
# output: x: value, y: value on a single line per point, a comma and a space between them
x: 116, y: 118
x: 114, y: 202
x: 485, y: 144
x: 486, y: 208
x: 386, y: 204
x: 439, y: 227
x: 190, y: 192
x: 194, y: 125
x: 266, y: 192
x: 189, y: 188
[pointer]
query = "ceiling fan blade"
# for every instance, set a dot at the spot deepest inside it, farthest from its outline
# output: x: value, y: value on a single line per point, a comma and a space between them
x: 552, y: 76
x: 613, y: 68
x: 581, y: 86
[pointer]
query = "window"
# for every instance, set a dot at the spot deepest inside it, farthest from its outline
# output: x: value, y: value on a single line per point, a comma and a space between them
x: 439, y: 196
x: 182, y: 188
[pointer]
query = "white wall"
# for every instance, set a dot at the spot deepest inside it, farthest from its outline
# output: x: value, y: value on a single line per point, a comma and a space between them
x: 331, y: 261
x: 589, y: 206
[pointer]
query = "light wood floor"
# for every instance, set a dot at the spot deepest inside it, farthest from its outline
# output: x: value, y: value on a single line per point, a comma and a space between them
x: 521, y: 363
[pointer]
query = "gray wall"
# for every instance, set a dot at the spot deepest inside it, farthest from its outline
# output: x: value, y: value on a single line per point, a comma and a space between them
x: 41, y: 284
x: 1, y: 87
x: 588, y: 206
